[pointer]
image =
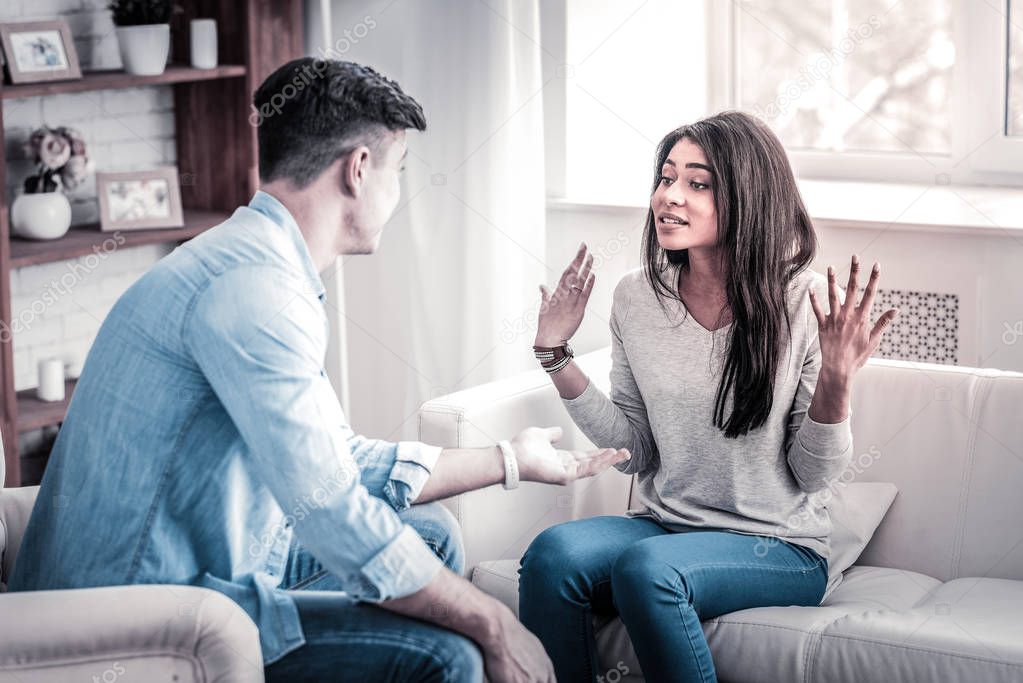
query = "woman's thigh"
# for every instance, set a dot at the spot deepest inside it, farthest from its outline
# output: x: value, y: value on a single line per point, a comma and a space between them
x: 719, y: 572
x: 575, y: 558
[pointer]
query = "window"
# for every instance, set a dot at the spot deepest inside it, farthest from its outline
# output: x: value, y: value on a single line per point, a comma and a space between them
x: 837, y: 75
x: 899, y: 90
x: 1014, y: 87
x: 635, y: 69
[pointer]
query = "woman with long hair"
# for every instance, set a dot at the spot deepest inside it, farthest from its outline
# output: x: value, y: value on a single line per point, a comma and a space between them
x: 730, y: 387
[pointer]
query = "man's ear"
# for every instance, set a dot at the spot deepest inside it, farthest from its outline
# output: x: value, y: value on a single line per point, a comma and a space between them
x: 353, y: 171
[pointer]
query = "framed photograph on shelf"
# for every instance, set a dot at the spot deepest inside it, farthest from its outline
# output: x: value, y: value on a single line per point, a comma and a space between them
x: 139, y: 200
x: 36, y: 51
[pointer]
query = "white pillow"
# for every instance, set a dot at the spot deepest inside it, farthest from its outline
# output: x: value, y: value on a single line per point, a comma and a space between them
x: 856, y: 511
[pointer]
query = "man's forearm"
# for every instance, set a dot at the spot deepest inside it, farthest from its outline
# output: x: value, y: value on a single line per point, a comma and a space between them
x: 454, y: 603
x: 463, y: 469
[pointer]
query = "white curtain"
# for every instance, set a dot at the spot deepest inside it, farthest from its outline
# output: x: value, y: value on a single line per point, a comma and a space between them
x: 449, y: 300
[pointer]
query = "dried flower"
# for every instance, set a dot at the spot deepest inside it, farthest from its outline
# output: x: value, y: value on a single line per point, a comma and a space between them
x: 54, y: 151
x: 74, y: 172
x: 59, y: 154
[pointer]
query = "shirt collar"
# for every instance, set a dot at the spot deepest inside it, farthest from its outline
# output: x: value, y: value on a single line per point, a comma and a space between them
x: 268, y: 205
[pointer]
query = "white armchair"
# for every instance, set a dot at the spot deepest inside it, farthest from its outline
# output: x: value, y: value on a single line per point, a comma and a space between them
x: 121, y: 633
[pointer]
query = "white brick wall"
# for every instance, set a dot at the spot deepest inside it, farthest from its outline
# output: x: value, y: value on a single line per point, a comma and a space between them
x: 57, y: 308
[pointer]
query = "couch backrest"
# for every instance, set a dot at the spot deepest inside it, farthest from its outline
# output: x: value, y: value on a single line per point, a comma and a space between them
x: 951, y: 439
x: 499, y: 524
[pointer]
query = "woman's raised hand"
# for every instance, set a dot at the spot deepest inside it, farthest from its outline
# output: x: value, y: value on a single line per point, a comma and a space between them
x: 561, y: 311
x: 846, y: 336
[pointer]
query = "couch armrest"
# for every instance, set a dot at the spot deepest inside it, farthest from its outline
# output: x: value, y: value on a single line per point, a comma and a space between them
x: 498, y: 524
x: 127, y: 633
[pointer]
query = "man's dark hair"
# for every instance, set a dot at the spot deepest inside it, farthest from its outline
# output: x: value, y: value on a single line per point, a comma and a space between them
x: 310, y: 112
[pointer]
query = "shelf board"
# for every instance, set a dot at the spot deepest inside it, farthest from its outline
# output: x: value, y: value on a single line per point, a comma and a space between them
x: 81, y: 241
x: 36, y: 414
x: 109, y: 80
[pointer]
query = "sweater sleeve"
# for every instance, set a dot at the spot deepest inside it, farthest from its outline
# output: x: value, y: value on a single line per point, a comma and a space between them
x: 816, y: 452
x: 619, y: 421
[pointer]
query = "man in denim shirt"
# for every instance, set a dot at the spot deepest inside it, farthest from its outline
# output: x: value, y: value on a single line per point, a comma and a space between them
x: 204, y: 444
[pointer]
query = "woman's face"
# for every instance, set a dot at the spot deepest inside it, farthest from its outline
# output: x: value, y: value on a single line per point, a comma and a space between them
x: 683, y: 203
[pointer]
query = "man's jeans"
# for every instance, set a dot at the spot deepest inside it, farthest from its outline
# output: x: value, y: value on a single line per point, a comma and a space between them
x: 348, y: 641
x: 661, y: 583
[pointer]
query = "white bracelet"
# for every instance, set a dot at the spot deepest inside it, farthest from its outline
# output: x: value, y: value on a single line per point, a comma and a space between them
x: 511, y: 465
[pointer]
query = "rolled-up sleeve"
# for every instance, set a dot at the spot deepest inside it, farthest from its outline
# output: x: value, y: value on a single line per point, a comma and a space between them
x: 260, y: 338
x: 396, y: 471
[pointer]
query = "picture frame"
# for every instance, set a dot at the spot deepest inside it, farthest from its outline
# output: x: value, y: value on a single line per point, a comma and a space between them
x: 139, y: 200
x: 39, y: 51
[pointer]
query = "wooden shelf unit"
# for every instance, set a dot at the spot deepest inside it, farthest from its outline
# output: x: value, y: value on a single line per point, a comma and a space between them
x: 114, y: 80
x: 216, y: 146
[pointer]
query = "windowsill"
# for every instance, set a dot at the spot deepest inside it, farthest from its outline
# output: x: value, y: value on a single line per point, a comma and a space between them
x: 949, y: 209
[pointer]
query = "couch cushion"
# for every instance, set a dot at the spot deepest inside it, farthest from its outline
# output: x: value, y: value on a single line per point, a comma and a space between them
x: 15, y: 509
x: 855, y: 509
x: 781, y: 643
x: 964, y: 630
x: 762, y: 644
x: 499, y: 579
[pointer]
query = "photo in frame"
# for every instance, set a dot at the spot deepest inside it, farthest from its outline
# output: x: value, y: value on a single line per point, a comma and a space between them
x: 39, y: 51
x: 139, y: 200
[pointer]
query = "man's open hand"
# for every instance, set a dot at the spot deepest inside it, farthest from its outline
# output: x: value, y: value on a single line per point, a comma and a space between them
x: 540, y: 461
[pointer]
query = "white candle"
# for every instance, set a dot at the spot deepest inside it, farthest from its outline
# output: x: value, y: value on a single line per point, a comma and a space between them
x: 51, y: 380
x: 204, y: 43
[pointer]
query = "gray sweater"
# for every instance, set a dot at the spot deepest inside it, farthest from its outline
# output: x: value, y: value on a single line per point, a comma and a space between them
x: 664, y: 380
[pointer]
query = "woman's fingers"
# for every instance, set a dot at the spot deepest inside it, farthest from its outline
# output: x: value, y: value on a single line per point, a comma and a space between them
x: 868, y: 295
x: 588, y: 287
x: 817, y: 308
x: 882, y: 324
x: 853, y: 287
x: 584, y: 272
x: 832, y: 292
x: 574, y: 266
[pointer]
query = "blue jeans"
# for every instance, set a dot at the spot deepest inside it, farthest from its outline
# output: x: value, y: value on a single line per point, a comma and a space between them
x: 661, y: 583
x: 348, y: 641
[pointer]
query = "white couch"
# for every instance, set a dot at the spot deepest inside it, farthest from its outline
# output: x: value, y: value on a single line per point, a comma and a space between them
x: 936, y: 596
x: 143, y: 633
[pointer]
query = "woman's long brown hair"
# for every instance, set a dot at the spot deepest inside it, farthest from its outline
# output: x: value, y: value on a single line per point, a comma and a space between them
x: 765, y: 237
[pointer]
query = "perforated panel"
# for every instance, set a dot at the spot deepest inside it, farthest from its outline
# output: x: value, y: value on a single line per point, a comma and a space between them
x: 927, y: 329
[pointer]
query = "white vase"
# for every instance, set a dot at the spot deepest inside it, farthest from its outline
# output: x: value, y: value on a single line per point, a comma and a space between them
x: 144, y: 49
x: 41, y: 215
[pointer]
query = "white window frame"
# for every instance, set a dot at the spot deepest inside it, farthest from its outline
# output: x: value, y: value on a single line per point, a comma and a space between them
x: 980, y: 37
x: 978, y: 109
x: 987, y: 41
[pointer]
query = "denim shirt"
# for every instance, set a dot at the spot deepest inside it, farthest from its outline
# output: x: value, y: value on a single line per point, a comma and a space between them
x: 203, y: 437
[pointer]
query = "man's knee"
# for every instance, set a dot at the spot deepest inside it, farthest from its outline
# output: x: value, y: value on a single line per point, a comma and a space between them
x: 441, y: 532
x: 464, y: 662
